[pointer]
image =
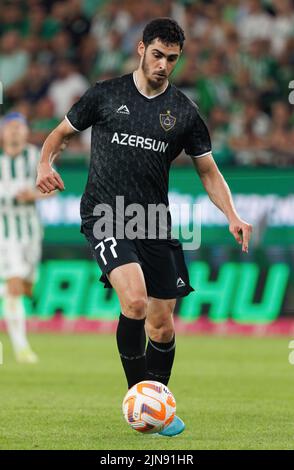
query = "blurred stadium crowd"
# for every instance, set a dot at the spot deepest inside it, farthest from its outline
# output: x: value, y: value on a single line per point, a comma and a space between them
x: 237, y: 63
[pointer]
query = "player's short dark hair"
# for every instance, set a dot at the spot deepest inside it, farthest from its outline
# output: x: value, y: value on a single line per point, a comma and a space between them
x: 165, y: 29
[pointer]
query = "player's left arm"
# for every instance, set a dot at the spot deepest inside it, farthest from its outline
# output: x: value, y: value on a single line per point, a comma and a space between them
x: 220, y: 194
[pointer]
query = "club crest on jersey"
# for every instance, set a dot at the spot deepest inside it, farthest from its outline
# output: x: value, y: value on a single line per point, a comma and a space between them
x: 167, y: 121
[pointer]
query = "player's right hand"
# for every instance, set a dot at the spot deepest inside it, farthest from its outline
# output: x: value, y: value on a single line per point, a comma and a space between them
x: 48, y: 179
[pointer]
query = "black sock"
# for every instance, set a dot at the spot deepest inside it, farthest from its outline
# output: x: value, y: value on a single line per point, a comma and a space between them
x: 159, y: 360
x: 131, y: 342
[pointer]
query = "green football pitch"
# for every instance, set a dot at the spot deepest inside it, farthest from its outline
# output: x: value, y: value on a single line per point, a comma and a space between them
x: 233, y: 393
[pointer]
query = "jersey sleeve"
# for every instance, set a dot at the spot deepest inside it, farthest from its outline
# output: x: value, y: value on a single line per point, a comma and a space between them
x: 85, y: 112
x: 197, y: 138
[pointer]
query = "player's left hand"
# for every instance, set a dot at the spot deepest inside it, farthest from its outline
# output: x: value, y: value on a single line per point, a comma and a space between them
x: 241, y: 230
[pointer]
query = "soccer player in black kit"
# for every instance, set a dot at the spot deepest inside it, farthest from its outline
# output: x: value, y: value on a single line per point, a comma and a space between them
x: 140, y: 124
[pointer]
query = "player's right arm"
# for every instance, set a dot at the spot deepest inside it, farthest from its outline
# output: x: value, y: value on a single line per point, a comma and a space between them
x: 83, y: 114
x: 47, y: 178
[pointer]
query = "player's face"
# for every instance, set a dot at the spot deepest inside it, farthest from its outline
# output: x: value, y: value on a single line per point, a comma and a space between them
x: 158, y: 61
x: 15, y: 133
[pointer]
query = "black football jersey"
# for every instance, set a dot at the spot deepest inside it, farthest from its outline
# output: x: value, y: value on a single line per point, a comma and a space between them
x: 134, y: 140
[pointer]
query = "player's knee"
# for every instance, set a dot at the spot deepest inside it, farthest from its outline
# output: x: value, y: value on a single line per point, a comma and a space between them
x: 14, y: 287
x: 136, y: 307
x: 161, y: 333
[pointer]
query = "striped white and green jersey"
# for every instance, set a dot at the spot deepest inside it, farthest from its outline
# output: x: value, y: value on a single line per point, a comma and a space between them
x: 18, y: 221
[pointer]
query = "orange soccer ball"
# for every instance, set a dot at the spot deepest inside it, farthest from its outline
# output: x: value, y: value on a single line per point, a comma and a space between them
x: 149, y: 406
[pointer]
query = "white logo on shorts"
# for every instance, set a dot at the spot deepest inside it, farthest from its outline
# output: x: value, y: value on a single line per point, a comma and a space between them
x: 180, y: 282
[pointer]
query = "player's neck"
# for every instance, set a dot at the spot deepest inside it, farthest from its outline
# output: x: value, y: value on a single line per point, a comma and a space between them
x: 13, y: 150
x: 144, y: 87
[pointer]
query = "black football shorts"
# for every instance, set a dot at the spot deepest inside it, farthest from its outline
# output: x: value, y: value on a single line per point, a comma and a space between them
x: 162, y: 262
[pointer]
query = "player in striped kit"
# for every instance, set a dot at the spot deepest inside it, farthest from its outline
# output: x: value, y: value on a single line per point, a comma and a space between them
x: 20, y: 229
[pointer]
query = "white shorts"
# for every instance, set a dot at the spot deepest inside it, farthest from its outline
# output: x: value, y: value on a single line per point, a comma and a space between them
x: 19, y: 260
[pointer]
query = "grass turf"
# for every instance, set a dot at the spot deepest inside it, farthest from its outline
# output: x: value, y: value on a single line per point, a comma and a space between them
x: 233, y: 393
